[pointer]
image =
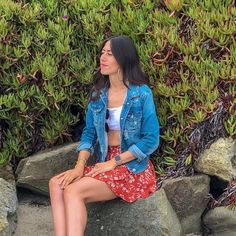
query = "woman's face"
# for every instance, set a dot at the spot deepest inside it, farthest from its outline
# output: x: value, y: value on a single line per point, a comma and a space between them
x: 108, y: 63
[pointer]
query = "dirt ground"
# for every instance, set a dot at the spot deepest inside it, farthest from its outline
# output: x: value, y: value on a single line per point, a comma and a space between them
x: 34, y: 215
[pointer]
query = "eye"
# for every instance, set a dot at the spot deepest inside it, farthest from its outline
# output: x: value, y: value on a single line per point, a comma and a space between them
x: 109, y: 53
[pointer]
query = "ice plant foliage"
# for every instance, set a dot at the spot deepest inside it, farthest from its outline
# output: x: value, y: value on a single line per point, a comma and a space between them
x: 48, y: 54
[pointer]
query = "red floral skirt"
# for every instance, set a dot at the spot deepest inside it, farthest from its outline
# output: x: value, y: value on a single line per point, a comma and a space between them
x: 125, y: 184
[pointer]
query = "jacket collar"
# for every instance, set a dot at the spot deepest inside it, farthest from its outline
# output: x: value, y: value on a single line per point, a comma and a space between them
x: 132, y: 92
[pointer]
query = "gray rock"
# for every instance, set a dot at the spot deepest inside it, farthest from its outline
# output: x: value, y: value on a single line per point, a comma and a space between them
x: 35, y: 171
x: 34, y: 220
x: 154, y: 216
x: 218, y: 159
x: 193, y: 234
x: 188, y: 197
x: 222, y: 221
x: 6, y: 173
x: 151, y: 216
x: 8, y: 207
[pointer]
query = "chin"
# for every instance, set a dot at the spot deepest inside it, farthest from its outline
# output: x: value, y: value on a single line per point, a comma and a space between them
x: 108, y: 71
x: 104, y: 72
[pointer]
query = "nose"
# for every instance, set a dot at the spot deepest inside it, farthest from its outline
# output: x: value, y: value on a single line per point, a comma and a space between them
x: 103, y: 57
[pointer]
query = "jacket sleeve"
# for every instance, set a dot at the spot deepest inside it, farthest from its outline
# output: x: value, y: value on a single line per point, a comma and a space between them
x: 150, y: 131
x: 89, y: 134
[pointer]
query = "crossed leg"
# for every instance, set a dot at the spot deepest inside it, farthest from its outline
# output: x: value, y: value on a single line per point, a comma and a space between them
x: 68, y: 205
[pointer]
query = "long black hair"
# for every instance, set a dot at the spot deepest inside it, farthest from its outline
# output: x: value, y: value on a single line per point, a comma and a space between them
x: 127, y: 57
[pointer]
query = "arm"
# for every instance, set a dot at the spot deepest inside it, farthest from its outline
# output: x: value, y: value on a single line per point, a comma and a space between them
x: 88, y: 137
x: 150, y: 132
x: 85, y: 148
x: 102, y: 167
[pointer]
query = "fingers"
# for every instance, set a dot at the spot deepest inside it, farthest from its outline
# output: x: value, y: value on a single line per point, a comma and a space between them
x: 100, y: 168
x: 92, y: 174
x: 95, y: 171
x: 60, y: 175
x: 76, y: 179
x: 65, y: 182
x: 65, y: 178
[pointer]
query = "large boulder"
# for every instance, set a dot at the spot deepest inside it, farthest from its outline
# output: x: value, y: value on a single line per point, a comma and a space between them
x: 8, y: 207
x: 221, y: 221
x: 188, y: 197
x: 35, y: 171
x: 218, y: 159
x: 151, y: 216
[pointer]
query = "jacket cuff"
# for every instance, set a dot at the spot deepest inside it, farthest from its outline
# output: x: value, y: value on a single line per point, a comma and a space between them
x: 85, y: 146
x: 137, y: 152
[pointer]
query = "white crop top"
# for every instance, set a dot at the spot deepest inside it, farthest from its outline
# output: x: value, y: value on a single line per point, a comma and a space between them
x: 114, y: 118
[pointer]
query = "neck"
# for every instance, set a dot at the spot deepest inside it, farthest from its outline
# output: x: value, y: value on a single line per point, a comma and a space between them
x: 116, y: 82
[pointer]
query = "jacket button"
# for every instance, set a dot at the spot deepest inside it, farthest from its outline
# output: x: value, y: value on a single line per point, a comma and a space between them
x: 133, y: 169
x: 121, y: 118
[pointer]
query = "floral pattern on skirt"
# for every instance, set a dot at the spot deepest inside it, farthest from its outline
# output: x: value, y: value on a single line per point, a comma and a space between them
x: 125, y: 184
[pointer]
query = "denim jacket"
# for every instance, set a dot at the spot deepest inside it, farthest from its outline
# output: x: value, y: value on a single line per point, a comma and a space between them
x: 139, y: 127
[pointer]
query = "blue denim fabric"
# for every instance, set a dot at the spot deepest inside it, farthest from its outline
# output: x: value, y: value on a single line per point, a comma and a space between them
x: 139, y: 127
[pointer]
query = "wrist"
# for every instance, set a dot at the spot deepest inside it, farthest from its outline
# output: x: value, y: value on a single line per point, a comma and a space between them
x: 113, y: 162
x: 117, y: 160
x: 79, y: 166
x: 81, y: 162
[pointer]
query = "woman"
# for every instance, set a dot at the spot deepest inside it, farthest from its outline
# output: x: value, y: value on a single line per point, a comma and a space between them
x: 121, y: 116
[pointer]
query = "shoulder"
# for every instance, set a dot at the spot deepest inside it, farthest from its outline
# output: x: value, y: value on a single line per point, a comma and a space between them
x: 142, y: 92
x: 95, y: 104
x: 142, y: 89
x: 95, y: 97
x: 145, y: 89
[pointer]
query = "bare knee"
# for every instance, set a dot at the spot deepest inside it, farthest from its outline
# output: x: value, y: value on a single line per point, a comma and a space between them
x: 54, y: 184
x: 74, y: 191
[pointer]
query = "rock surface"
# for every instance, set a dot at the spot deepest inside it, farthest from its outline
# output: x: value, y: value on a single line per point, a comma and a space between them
x: 222, y: 221
x: 35, y: 171
x: 175, y: 209
x: 152, y: 216
x: 34, y: 215
x: 8, y: 207
x: 218, y: 159
x: 6, y: 173
x: 188, y: 197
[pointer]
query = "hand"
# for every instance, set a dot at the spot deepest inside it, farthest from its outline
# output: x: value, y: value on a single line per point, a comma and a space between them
x: 102, y: 167
x: 66, y: 177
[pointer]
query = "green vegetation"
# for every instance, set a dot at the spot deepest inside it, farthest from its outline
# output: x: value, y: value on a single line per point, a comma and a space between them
x: 48, y: 53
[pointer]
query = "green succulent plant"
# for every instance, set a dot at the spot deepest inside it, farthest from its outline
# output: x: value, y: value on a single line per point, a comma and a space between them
x: 48, y: 53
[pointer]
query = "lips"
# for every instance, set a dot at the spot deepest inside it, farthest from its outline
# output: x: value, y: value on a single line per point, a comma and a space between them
x: 103, y: 65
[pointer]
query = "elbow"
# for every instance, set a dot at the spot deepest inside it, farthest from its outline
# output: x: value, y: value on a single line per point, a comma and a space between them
x: 85, y: 146
x: 153, y: 141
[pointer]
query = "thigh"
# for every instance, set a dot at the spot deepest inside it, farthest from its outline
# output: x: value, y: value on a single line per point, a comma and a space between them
x: 92, y: 190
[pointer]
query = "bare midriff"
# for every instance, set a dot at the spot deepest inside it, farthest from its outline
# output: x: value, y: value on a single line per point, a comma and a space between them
x: 113, y: 137
x: 116, y: 99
